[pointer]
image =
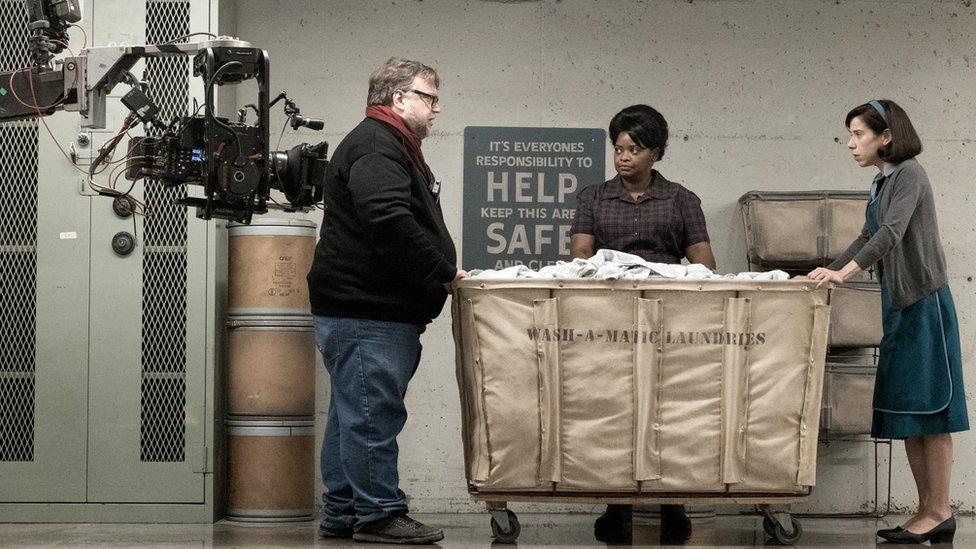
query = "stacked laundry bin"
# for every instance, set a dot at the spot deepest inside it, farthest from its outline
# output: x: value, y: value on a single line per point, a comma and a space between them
x: 797, y: 232
x: 270, y: 371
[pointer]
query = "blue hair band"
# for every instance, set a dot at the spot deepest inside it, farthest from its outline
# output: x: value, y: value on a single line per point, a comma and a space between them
x: 880, y: 108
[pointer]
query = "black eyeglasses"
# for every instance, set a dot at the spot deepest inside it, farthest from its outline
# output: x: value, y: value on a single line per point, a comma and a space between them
x: 434, y: 100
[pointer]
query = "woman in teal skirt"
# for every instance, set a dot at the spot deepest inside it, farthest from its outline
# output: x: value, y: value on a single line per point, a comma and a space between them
x: 918, y: 392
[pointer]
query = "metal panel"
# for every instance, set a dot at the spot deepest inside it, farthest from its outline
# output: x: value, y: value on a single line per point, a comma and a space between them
x: 149, y: 308
x: 107, y: 403
x: 18, y: 268
x: 164, y: 261
x: 43, y: 340
x: 18, y: 256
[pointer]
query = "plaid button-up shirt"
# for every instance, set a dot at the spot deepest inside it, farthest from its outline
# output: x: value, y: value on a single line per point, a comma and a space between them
x: 658, y: 226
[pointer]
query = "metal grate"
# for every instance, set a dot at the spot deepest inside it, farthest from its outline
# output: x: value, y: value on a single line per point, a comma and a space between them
x: 164, y: 260
x: 18, y: 256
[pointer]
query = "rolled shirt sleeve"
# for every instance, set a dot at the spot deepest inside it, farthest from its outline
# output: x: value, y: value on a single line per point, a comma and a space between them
x: 693, y: 218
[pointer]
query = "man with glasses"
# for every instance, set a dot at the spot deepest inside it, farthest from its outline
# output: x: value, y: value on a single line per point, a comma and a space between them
x: 383, y: 267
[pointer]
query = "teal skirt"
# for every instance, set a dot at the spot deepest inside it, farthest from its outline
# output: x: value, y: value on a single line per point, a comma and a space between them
x: 919, y: 387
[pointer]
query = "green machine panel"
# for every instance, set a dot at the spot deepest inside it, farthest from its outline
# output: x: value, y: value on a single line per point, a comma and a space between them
x: 107, y: 378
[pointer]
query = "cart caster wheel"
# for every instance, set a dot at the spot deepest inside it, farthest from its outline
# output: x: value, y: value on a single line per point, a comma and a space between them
x: 502, y: 535
x: 769, y: 526
x: 778, y: 532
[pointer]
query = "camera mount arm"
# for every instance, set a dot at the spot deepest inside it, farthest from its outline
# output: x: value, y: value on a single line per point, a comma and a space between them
x: 82, y: 84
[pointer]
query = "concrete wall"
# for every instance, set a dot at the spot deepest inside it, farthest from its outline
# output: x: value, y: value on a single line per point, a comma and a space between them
x: 755, y: 92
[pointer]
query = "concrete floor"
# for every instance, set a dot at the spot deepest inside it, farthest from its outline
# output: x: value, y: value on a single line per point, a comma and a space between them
x: 550, y: 530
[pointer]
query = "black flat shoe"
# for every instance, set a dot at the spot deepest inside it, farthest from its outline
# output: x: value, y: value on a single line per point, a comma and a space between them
x: 615, y: 525
x: 885, y: 531
x: 943, y: 533
x: 675, y: 525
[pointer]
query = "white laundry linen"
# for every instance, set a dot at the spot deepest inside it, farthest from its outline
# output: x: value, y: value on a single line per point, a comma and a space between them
x: 613, y: 265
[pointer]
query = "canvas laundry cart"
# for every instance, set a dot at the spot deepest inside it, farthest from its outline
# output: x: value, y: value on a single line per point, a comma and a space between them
x: 640, y: 391
x: 800, y: 229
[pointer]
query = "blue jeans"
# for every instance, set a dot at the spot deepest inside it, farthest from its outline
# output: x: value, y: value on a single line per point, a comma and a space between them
x: 370, y: 363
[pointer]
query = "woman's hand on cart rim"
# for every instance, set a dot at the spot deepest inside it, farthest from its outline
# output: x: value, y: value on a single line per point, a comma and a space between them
x: 823, y: 275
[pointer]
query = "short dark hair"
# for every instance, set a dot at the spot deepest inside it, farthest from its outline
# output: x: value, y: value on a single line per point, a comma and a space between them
x: 644, y: 125
x: 905, y: 142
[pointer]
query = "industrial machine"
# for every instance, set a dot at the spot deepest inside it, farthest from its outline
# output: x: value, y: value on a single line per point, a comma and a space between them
x: 230, y: 159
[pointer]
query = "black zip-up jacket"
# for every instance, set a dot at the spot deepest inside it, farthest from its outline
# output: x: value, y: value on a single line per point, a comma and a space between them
x: 384, y: 252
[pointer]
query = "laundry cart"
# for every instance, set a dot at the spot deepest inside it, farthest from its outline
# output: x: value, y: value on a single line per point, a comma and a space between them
x: 640, y: 391
x: 798, y: 231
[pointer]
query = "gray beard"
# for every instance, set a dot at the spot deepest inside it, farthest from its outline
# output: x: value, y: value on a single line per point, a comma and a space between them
x: 419, y: 129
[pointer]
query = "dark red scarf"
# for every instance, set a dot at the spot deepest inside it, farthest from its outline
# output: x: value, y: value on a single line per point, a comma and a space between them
x: 386, y: 115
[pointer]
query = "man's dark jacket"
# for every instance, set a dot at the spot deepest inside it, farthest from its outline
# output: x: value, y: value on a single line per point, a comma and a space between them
x: 384, y: 251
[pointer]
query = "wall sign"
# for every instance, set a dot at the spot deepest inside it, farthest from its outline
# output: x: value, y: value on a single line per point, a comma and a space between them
x: 520, y: 188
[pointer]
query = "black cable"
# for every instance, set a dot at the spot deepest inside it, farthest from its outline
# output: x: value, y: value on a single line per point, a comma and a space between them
x: 208, y: 102
x: 179, y: 134
x: 176, y: 120
x: 237, y: 138
x: 140, y: 175
x: 282, y: 134
x: 175, y: 40
x: 271, y: 198
x: 135, y: 230
x: 108, y: 148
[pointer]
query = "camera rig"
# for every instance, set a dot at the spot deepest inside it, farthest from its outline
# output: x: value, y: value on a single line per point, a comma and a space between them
x: 231, y: 160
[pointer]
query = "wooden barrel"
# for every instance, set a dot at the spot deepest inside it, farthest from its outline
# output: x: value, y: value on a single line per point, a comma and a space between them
x: 270, y: 470
x: 270, y: 366
x: 268, y: 261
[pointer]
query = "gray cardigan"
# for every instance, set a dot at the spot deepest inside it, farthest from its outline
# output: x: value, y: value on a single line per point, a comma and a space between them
x: 907, y: 242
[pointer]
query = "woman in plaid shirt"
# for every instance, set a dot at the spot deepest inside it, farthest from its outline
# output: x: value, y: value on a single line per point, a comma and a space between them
x: 638, y: 211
